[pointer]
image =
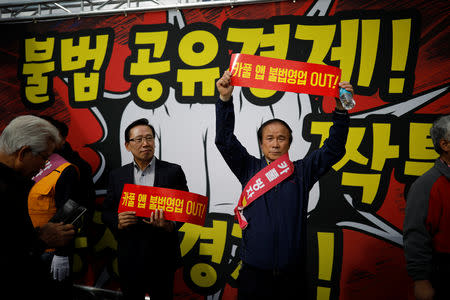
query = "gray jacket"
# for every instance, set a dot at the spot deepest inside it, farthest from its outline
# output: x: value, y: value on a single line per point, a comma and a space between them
x: 418, y: 238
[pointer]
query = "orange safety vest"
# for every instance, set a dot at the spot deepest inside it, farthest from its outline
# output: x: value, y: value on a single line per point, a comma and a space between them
x: 41, y: 199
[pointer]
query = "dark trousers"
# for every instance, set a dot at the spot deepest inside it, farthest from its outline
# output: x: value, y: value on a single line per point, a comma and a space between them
x: 257, y: 284
x: 25, y: 277
x: 155, y: 281
x: 58, y: 289
x: 441, y: 276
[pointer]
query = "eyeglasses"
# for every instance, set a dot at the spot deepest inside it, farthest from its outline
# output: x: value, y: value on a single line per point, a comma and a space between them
x: 140, y: 139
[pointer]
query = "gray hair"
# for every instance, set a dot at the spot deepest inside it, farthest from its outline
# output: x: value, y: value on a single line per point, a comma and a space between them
x: 440, y: 130
x: 29, y: 131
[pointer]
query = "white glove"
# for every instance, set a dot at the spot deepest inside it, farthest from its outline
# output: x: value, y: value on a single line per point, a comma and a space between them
x: 60, y: 267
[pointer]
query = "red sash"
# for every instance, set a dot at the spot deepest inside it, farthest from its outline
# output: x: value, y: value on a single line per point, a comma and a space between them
x: 261, y: 183
x: 177, y: 205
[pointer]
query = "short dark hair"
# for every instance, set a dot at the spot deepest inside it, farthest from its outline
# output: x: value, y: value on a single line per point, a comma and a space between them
x: 261, y: 128
x: 61, y: 126
x: 138, y: 122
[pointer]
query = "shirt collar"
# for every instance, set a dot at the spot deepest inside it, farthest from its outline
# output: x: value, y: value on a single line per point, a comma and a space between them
x: 443, y: 161
x: 136, y: 166
x: 443, y: 167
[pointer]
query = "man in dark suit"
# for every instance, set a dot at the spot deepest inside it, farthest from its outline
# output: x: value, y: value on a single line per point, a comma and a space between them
x: 148, y: 250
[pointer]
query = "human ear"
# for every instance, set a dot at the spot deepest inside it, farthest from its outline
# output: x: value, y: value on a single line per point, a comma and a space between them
x: 22, y: 152
x: 127, y: 146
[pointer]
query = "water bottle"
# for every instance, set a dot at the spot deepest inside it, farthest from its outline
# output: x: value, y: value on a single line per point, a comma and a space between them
x: 346, y: 98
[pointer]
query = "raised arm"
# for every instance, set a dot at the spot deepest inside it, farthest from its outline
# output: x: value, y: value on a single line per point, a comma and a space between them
x: 320, y: 161
x: 234, y: 154
x: 224, y: 87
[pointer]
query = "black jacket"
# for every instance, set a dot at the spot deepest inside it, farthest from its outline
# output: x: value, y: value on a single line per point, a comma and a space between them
x: 21, y: 248
x: 142, y: 244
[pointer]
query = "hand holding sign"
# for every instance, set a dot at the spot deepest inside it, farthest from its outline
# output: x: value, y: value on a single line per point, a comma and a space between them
x: 126, y: 219
x: 224, y: 86
x: 157, y: 219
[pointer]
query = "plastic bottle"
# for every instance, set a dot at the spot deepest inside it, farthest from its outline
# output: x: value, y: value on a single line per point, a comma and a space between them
x: 346, y: 98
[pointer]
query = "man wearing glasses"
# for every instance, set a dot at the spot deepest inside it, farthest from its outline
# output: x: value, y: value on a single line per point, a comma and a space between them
x: 148, y: 250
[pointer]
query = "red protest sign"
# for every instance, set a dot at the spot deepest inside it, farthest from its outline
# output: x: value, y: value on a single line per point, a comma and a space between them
x: 177, y: 205
x: 284, y: 75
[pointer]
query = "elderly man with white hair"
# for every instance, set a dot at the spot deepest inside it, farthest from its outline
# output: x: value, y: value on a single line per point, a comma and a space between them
x: 427, y: 222
x: 25, y: 145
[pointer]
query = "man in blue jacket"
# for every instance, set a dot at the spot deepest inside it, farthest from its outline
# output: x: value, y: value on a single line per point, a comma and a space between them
x: 273, y: 246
